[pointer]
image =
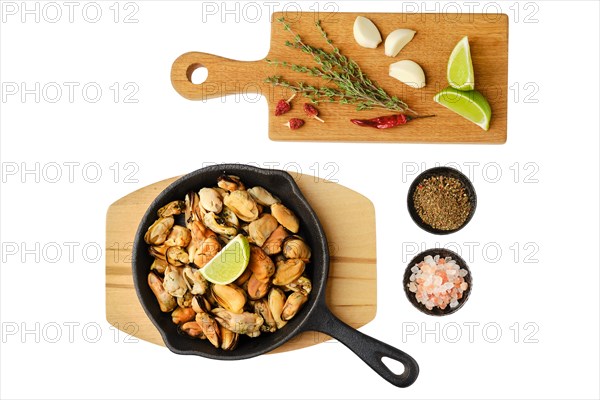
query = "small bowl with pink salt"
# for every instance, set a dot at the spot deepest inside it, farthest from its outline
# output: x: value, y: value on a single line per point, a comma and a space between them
x: 437, y: 282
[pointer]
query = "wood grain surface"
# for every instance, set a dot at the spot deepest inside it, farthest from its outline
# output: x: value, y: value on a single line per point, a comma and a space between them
x: 437, y: 34
x: 351, y: 290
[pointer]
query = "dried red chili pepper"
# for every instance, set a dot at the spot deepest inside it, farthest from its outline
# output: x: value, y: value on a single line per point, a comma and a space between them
x: 387, y: 121
x: 283, y: 106
x: 312, y: 111
x: 295, y: 123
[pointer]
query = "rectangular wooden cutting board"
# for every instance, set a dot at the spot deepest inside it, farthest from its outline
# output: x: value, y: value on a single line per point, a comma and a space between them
x: 351, y: 289
x: 437, y: 34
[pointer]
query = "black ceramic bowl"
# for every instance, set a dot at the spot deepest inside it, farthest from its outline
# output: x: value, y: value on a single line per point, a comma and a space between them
x: 440, y: 171
x: 436, y: 311
x: 314, y: 316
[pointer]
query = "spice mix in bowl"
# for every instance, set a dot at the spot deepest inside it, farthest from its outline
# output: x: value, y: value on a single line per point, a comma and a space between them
x: 441, y: 200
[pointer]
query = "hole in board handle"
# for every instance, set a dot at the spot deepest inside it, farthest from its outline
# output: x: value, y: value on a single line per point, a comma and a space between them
x: 197, y: 74
x: 393, y: 365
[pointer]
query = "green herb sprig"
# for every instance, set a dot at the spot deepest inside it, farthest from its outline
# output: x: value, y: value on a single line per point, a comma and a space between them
x: 353, y: 86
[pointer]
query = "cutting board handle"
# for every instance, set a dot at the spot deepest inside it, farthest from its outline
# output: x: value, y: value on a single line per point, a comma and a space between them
x: 225, y: 76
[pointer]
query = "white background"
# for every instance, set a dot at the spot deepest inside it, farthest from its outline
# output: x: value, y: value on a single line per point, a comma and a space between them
x: 544, y: 220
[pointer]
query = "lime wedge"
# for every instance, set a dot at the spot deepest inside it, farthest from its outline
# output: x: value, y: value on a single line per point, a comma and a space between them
x: 229, y: 263
x: 470, y: 105
x: 460, y: 67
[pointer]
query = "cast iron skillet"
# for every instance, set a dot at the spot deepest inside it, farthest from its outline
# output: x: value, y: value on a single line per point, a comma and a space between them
x: 314, y: 316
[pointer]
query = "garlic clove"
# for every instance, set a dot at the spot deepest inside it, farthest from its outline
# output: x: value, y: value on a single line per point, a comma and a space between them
x: 396, y: 40
x: 409, y: 73
x: 366, y: 33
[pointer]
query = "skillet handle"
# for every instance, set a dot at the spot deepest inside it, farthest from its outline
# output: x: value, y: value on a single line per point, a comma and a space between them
x: 369, y: 349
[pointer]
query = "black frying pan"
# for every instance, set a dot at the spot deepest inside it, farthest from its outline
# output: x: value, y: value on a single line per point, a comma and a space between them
x: 314, y: 316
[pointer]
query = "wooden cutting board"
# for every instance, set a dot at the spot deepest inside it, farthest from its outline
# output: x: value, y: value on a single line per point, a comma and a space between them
x: 351, y: 289
x: 437, y: 34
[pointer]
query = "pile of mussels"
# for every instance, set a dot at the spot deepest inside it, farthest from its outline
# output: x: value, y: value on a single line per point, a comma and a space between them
x: 271, y: 290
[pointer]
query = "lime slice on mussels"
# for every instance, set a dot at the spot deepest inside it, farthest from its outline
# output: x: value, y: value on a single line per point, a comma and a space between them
x: 229, y: 263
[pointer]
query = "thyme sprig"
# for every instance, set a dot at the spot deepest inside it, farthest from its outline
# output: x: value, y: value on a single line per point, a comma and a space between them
x: 352, y: 85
